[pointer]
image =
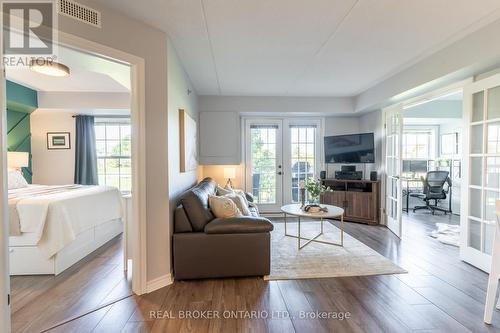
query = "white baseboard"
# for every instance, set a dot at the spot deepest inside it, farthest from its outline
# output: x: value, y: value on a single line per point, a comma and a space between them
x: 159, y: 282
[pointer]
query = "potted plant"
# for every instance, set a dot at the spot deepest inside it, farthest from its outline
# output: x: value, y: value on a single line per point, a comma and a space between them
x: 314, y: 189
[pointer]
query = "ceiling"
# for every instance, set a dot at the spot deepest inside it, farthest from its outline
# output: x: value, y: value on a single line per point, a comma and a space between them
x: 305, y: 48
x: 88, y: 73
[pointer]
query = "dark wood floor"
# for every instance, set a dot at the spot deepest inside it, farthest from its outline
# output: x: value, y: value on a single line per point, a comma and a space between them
x: 439, y: 294
x: 42, y: 301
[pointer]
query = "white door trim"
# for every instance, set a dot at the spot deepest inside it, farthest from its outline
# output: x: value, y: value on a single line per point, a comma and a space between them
x: 138, y: 121
x: 4, y: 236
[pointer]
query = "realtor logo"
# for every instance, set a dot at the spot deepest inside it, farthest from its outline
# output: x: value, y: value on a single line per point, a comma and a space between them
x: 29, y: 27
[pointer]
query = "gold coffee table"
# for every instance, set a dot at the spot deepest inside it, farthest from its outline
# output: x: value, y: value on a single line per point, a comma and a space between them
x: 333, y: 212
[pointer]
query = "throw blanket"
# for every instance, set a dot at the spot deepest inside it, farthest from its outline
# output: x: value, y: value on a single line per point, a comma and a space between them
x: 16, y: 195
x: 57, y: 214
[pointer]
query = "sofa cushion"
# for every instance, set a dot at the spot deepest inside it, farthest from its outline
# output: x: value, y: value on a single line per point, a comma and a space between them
x: 181, y: 223
x: 195, y: 202
x: 239, y: 225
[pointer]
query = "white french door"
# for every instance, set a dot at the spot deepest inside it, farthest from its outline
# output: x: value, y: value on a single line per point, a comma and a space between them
x: 481, y: 147
x: 264, y: 164
x: 393, y: 120
x: 302, y: 151
x: 279, y: 153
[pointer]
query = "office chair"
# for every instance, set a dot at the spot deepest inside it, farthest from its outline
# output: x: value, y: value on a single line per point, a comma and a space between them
x: 433, y: 189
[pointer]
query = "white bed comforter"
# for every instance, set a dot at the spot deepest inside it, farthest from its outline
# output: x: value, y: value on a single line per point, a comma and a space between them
x: 57, y: 217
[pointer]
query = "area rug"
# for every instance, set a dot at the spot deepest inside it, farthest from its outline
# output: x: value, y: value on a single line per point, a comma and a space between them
x: 318, y: 260
x: 447, y: 234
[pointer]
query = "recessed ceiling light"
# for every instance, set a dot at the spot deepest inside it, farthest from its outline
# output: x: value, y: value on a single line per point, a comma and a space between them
x: 50, y: 68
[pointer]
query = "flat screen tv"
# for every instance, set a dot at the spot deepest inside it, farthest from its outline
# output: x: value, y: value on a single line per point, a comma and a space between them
x: 352, y: 148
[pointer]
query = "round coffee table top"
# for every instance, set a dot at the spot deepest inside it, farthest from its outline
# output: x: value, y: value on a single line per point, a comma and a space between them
x: 294, y: 209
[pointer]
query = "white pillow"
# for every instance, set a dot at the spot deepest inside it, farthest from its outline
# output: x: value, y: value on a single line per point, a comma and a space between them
x: 240, y: 203
x: 224, y: 191
x: 16, y: 180
x: 243, y: 195
x: 223, y: 207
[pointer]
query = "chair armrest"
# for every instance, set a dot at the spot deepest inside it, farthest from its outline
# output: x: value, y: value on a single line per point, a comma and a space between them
x: 238, y: 225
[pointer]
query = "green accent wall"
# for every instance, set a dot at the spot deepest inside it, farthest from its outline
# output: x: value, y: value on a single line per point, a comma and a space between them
x: 21, y: 101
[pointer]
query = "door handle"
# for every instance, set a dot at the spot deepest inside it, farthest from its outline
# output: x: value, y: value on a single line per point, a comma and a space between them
x: 280, y: 173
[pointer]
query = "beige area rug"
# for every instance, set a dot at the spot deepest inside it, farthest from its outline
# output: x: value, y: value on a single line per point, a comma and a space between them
x: 318, y: 260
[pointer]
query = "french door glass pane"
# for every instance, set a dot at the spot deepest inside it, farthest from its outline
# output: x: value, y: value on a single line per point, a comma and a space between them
x: 474, y: 232
x: 489, y: 205
x: 476, y: 165
x: 475, y: 203
x: 478, y: 106
x: 493, y: 144
x: 303, y: 143
x: 489, y: 231
x: 492, y: 172
x: 476, y: 139
x: 494, y: 103
x: 263, y: 157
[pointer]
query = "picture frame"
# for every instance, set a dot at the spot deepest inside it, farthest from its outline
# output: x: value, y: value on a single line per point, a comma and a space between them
x: 187, y: 142
x: 58, y: 140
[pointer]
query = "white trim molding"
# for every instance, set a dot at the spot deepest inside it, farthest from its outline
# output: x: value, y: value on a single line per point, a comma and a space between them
x: 159, y: 282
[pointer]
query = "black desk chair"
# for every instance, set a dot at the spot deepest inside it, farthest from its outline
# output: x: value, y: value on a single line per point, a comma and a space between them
x: 434, y: 189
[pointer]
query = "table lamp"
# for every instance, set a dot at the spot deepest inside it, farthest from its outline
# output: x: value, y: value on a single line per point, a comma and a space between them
x: 229, y: 173
x: 17, y: 159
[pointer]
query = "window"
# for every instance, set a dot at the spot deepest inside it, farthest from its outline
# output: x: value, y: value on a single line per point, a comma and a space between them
x: 113, y: 145
x: 418, y: 145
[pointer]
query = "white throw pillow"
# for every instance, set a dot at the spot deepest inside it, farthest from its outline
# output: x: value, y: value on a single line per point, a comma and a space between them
x: 223, y: 207
x: 243, y: 195
x: 240, y: 203
x: 16, y: 180
x: 224, y: 191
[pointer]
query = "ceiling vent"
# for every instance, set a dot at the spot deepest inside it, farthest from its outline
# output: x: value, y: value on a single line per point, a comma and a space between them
x: 79, y: 12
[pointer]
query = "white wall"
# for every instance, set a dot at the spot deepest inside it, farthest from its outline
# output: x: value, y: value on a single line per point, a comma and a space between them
x: 178, y: 98
x: 84, y: 100
x: 131, y: 36
x: 308, y: 106
x: 52, y: 167
x: 341, y: 125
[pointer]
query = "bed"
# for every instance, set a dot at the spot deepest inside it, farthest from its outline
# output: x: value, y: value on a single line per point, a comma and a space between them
x: 53, y: 227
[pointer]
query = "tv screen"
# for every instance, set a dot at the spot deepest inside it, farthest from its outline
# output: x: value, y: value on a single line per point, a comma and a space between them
x: 353, y: 148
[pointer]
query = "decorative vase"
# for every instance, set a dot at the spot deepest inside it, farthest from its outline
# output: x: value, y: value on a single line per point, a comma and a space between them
x: 302, y: 197
x: 313, y: 200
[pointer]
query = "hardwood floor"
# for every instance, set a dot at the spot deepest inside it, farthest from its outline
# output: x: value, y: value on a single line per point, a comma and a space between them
x: 439, y: 294
x: 42, y: 301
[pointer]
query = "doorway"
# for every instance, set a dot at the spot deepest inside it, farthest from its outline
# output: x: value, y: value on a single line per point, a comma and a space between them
x: 135, y: 203
x: 423, y: 138
x: 279, y: 155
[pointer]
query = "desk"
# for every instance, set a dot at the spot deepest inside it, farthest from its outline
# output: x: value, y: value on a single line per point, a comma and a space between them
x: 407, y: 191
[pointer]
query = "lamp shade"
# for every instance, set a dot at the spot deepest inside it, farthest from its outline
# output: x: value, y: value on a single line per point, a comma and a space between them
x: 17, y: 159
x: 230, y: 173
